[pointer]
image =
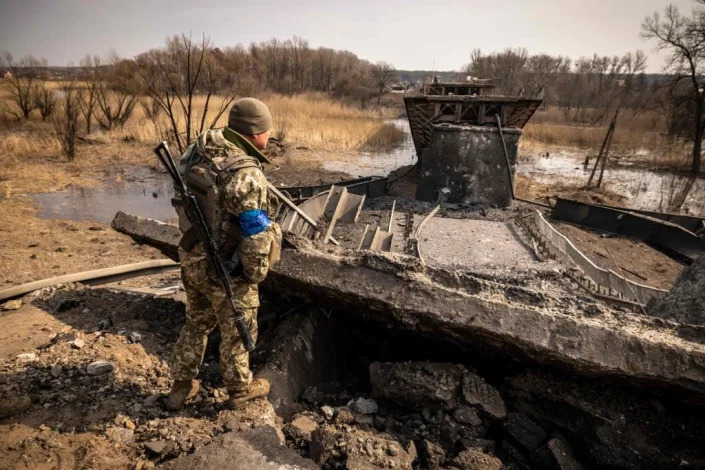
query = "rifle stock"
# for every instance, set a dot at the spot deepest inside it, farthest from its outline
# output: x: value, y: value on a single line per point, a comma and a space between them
x: 193, y: 211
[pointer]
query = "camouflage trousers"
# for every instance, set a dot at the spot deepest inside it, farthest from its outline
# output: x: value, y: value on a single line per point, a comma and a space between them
x: 208, y: 307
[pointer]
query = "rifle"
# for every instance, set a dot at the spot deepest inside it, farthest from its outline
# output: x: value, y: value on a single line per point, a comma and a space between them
x: 195, y: 216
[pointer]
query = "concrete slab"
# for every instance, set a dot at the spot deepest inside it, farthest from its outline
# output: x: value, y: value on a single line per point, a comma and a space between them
x: 469, y: 243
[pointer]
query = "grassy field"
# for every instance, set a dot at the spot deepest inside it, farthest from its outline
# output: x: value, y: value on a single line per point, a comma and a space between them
x: 638, y: 140
x: 32, y: 160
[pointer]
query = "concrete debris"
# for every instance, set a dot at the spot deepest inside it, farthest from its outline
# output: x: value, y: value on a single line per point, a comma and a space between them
x: 474, y: 459
x: 300, y: 429
x: 477, y: 392
x: 99, y: 367
x: 77, y: 343
x: 327, y: 412
x: 27, y: 357
x: 494, y: 313
x: 467, y: 415
x: 366, y: 406
x: 685, y: 303
x: 416, y: 384
x: 12, y: 305
x: 359, y: 449
x: 257, y: 448
x: 149, y: 231
x: 563, y: 454
x: 134, y: 337
x: 626, y: 430
x: 526, y: 432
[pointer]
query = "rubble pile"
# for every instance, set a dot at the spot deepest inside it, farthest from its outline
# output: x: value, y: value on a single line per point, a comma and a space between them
x: 422, y: 415
x: 100, y: 380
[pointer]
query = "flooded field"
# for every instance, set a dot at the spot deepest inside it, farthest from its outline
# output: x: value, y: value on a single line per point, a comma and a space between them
x: 642, y: 189
x: 378, y: 163
x: 147, y: 197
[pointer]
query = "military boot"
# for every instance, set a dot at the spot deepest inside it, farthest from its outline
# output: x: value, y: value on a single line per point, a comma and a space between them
x: 257, y: 388
x: 13, y: 406
x: 181, y: 391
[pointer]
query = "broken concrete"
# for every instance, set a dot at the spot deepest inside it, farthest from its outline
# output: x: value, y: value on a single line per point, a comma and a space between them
x: 685, y: 303
x: 532, y: 312
x: 629, y: 428
x: 164, y: 237
x: 259, y: 448
x: 539, y: 323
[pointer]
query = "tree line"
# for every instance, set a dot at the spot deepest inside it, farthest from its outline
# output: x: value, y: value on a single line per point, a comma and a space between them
x: 169, y: 80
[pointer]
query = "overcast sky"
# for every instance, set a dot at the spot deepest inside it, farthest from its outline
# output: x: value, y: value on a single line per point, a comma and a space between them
x: 411, y: 34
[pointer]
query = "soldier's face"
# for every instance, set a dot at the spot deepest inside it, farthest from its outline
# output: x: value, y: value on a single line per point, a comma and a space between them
x: 260, y: 140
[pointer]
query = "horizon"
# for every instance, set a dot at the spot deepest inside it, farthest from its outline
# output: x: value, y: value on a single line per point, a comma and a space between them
x: 67, y: 30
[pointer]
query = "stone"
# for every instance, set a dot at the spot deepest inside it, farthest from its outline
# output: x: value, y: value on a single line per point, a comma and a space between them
x: 344, y: 416
x: 77, y: 343
x: 27, y: 356
x: 56, y: 370
x: 150, y: 400
x: 327, y: 412
x: 451, y: 432
x: 479, y: 393
x: 417, y: 384
x: 12, y: 304
x: 122, y: 435
x: 466, y: 415
x: 485, y: 445
x: 257, y: 448
x: 105, y: 323
x: 300, y: 429
x: 563, y: 454
x: 432, y: 455
x: 364, y: 420
x: 365, y: 406
x: 323, y: 443
x: 159, y: 446
x: 475, y: 459
x: 524, y: 430
x: 134, y: 337
x: 99, y: 367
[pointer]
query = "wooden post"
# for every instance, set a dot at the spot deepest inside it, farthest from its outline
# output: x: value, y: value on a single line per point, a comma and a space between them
x: 598, y: 160
x: 607, y: 149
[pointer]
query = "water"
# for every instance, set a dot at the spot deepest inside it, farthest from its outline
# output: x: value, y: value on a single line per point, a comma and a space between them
x: 146, y: 197
x: 378, y: 163
x: 642, y: 189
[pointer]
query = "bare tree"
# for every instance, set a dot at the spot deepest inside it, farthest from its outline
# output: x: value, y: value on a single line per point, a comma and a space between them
x: 43, y: 99
x: 20, y: 83
x: 116, y: 93
x: 383, y: 75
x: 88, y: 94
x: 67, y: 122
x: 175, y: 76
x: 684, y: 38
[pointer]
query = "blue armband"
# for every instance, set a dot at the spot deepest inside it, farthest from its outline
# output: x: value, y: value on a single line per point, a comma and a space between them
x: 253, y: 222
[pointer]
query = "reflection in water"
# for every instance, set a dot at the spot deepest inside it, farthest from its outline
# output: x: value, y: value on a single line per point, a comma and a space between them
x: 642, y: 188
x: 147, y: 198
x: 378, y: 163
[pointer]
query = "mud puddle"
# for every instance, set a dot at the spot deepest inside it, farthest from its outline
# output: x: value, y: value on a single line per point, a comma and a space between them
x: 147, y: 197
x: 379, y: 163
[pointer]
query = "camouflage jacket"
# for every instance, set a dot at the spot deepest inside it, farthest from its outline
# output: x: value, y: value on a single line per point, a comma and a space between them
x: 245, y: 191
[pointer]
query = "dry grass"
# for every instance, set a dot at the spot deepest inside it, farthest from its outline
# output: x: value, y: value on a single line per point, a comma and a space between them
x: 311, y: 120
x: 638, y: 140
x: 31, y: 159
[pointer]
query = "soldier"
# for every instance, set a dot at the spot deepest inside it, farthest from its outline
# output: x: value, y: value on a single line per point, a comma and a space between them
x: 223, y: 170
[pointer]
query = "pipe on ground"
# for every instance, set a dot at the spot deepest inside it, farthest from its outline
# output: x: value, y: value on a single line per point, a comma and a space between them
x: 96, y: 276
